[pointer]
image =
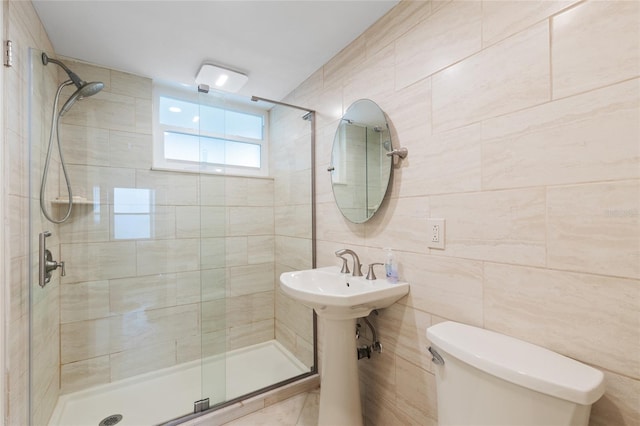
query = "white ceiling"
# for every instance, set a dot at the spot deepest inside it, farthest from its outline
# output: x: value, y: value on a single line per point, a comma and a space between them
x: 278, y: 44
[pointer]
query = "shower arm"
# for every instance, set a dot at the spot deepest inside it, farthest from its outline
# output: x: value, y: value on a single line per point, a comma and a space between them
x: 73, y: 76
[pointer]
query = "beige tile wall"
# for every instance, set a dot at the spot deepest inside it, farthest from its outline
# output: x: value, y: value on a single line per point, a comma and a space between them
x: 522, y: 120
x: 133, y: 305
x: 290, y: 166
x: 24, y: 29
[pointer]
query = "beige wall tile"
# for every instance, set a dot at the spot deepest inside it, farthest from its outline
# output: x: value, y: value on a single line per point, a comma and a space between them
x: 80, y: 375
x: 250, y: 334
x: 595, y: 228
x: 190, y: 287
x: 143, y: 116
x: 393, y: 25
x: 85, y: 145
x: 84, y: 301
x: 504, y: 226
x: 583, y: 138
x: 399, y: 219
x: 417, y: 395
x: 97, y: 183
x: 169, y: 188
x: 451, y: 288
x: 339, y: 67
x: 87, y: 223
x: 212, y: 190
x: 249, y: 221
x: 213, y: 252
x: 128, y: 149
x: 188, y: 221
x: 162, y: 256
x: 213, y: 283
x: 334, y: 227
x: 294, y: 252
x: 249, y: 279
x: 595, y: 44
x: 501, y: 19
x: 482, y: 86
x: 372, y: 79
x: 402, y: 330
x: 142, y: 293
x: 619, y: 405
x: 98, y: 261
x: 105, y: 110
x: 236, y: 251
x: 131, y: 85
x: 158, y: 326
x: 294, y: 315
x: 212, y: 221
x: 83, y: 340
x: 250, y: 308
x: 444, y: 38
x: 141, y: 360
x: 446, y: 162
x: 261, y: 249
x: 572, y: 313
x: 214, y: 316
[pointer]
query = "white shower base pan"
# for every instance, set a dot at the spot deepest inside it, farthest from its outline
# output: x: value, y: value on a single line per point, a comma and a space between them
x: 159, y: 396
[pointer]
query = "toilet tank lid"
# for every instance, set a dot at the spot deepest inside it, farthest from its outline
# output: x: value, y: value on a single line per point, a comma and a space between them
x: 519, y: 362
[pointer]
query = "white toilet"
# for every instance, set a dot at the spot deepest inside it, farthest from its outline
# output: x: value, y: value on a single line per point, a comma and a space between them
x: 486, y: 378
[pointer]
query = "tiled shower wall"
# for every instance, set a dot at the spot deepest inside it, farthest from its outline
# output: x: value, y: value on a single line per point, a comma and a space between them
x: 201, y: 255
x: 522, y: 123
x: 24, y: 29
x: 290, y: 165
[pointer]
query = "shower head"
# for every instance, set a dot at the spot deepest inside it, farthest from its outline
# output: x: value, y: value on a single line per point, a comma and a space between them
x: 88, y: 89
x: 84, y: 89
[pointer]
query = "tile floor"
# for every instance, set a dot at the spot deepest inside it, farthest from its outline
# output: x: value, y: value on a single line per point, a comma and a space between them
x: 299, y: 410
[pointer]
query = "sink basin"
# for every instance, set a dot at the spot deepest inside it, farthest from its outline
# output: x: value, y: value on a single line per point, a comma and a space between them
x: 340, y: 296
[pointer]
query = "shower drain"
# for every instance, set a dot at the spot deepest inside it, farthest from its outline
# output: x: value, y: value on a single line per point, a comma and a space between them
x: 111, y: 420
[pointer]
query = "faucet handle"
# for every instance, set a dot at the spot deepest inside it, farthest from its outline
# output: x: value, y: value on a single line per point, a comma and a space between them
x: 345, y: 267
x: 371, y: 275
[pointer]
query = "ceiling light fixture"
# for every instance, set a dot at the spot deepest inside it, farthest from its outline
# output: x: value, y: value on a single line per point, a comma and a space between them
x: 221, y: 78
x: 174, y: 109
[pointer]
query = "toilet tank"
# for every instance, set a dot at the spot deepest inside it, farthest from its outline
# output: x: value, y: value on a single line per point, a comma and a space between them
x: 487, y: 378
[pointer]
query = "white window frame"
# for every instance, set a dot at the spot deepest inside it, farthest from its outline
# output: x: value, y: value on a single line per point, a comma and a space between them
x: 186, y: 95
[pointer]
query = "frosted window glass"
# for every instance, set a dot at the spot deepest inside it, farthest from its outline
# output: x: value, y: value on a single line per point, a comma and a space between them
x: 244, y: 125
x: 131, y: 213
x: 174, y: 112
x: 131, y: 226
x: 131, y: 200
x: 183, y: 147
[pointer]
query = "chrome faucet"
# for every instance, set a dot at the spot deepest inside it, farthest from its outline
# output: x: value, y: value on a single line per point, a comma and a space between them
x: 357, y: 266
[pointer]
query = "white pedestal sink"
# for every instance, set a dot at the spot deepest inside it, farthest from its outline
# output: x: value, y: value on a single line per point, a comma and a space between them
x: 339, y: 299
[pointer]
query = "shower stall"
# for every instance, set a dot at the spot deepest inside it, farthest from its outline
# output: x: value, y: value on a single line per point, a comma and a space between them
x: 170, y: 302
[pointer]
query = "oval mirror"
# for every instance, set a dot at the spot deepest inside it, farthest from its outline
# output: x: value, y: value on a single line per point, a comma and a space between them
x: 360, y: 168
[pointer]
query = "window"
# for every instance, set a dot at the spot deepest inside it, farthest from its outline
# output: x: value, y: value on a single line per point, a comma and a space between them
x: 194, y: 132
x: 131, y: 213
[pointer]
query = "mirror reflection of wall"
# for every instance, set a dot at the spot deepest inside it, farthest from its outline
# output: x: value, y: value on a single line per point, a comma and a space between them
x: 360, y: 167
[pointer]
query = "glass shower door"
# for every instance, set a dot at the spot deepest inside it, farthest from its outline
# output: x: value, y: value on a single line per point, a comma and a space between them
x: 124, y: 320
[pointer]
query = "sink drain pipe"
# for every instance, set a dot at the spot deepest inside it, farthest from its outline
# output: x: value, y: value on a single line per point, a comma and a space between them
x: 364, y: 351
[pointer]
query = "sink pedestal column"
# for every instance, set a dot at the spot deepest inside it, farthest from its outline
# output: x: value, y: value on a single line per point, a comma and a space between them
x: 339, y: 387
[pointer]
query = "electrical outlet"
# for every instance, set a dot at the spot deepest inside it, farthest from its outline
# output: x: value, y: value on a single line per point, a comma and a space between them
x: 436, y: 233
